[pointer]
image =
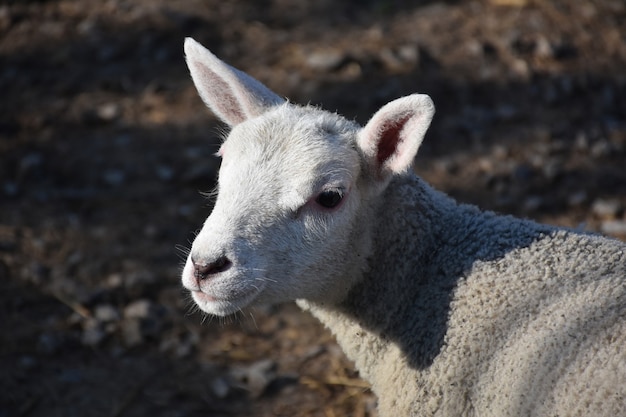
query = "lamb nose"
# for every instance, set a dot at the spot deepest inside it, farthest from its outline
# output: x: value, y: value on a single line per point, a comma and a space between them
x: 202, y: 270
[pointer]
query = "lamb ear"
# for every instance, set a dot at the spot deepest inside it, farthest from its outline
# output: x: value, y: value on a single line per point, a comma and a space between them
x: 231, y: 94
x: 391, y: 138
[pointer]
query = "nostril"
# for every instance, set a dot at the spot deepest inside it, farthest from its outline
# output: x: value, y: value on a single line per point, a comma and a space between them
x: 222, y: 264
x: 202, y: 270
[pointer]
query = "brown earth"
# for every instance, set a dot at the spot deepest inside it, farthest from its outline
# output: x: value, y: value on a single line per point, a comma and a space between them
x: 105, y: 147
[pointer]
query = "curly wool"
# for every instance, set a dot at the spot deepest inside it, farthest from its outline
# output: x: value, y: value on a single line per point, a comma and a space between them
x: 467, y: 313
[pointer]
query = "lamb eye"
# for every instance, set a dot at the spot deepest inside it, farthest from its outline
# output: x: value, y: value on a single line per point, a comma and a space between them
x: 329, y: 198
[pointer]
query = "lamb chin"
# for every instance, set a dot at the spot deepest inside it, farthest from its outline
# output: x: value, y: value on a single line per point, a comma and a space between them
x: 223, y: 307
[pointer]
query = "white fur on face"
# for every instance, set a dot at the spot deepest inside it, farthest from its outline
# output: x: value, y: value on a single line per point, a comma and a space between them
x: 271, y: 232
x: 282, y: 244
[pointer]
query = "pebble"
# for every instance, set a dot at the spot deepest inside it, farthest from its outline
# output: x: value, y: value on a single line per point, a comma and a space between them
x: 10, y: 188
x: 614, y: 227
x: 606, y: 208
x: 506, y: 112
x: 87, y: 27
x: 256, y: 376
x: 600, y: 149
x: 5, y: 17
x: 93, y: 333
x: 409, y: 54
x: 106, y: 313
x: 521, y: 69
x: 523, y: 173
x: 399, y: 60
x: 114, y: 177
x: 151, y: 231
x: 164, y: 172
x: 108, y: 112
x: 49, y: 343
x: 138, y: 278
x: 220, y: 387
x: 28, y: 164
x: 325, y: 60
x: 72, y: 376
x: 113, y: 281
x: 131, y: 332
x: 533, y: 203
x: 180, y: 347
x: 139, y: 309
x: 447, y: 165
x: 28, y: 362
x: 552, y: 168
x: 582, y: 142
x: 577, y: 198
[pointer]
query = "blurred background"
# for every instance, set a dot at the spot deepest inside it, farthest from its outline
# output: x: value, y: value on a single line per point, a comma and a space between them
x: 105, y: 149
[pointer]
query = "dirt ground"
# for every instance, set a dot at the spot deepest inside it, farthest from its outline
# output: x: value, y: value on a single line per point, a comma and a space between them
x: 105, y: 149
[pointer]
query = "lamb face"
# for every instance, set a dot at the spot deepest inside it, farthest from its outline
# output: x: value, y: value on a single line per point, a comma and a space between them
x: 297, y: 191
x: 286, y: 220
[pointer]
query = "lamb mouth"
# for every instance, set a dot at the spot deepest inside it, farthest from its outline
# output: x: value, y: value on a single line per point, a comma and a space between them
x: 224, y: 306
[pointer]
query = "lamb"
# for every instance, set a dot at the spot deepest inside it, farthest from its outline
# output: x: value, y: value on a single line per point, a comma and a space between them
x: 446, y: 309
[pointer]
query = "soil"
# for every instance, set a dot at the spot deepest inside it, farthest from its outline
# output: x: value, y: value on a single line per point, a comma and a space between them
x: 105, y: 150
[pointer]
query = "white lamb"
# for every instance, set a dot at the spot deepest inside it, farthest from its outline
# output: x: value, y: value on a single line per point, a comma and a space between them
x: 447, y: 310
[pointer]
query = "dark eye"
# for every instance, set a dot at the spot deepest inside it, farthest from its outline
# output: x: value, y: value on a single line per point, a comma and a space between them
x: 329, y: 198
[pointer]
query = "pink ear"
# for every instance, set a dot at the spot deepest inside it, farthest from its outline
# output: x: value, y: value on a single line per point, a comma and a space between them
x: 231, y: 94
x: 390, y: 140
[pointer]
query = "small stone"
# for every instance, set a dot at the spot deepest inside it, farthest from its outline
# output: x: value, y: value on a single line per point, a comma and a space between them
x: 131, y: 332
x: 577, y: 198
x: 393, y: 61
x: 520, y: 68
x: 72, y: 376
x: 500, y: 152
x: 614, y: 227
x: 181, y: 346
x: 114, y: 281
x: 552, y: 168
x: 506, y: 112
x: 606, y: 208
x: 523, y: 173
x: 601, y: 148
x: 164, y: 172
x: 93, y: 333
x: 582, y: 142
x: 150, y: 231
x: 5, y: 17
x: 325, y: 60
x: 447, y: 165
x: 313, y: 352
x: 10, y: 188
x: 220, y: 387
x: 543, y: 48
x: 108, y: 112
x: 114, y: 177
x: 139, y: 309
x: 49, y: 343
x: 29, y: 163
x: 87, y: 26
x: 28, y: 362
x: 106, y: 313
x: 409, y: 54
x: 255, y: 377
x: 138, y: 279
x: 533, y: 203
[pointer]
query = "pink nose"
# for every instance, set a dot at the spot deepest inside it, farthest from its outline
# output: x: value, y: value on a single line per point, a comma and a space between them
x: 204, y: 270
